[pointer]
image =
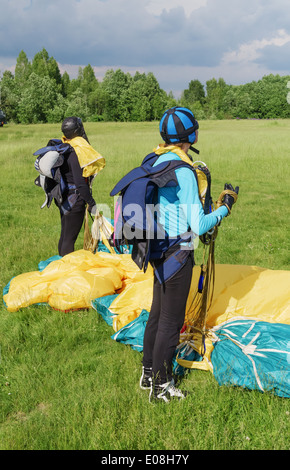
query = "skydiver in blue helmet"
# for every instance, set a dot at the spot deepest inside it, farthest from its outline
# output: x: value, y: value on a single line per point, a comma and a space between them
x: 180, y: 212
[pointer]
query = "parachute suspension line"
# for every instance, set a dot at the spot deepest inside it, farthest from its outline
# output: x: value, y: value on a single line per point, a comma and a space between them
x: 195, y: 320
x: 220, y: 199
x: 100, y: 230
x: 202, y: 299
x: 90, y: 244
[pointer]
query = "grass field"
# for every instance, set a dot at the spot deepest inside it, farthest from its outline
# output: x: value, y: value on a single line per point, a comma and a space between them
x: 64, y: 384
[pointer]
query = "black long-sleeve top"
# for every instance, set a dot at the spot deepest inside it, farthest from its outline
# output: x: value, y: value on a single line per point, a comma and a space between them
x: 73, y: 174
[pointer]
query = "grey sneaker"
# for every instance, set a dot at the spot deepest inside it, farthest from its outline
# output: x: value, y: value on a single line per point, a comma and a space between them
x: 166, y: 392
x: 146, y: 378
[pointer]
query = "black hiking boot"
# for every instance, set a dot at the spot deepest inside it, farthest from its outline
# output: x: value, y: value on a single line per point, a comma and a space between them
x: 146, y: 378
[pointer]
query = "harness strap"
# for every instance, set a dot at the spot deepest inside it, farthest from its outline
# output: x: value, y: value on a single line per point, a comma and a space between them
x: 166, y: 269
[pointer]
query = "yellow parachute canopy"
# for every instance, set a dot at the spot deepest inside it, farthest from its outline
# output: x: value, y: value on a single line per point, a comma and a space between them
x: 90, y: 160
x: 248, y: 296
x: 78, y: 278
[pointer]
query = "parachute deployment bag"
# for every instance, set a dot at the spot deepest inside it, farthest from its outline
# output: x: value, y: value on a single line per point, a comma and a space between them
x: 48, y: 163
x: 137, y: 195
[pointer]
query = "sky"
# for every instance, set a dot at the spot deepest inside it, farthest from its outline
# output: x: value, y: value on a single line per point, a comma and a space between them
x: 177, y: 40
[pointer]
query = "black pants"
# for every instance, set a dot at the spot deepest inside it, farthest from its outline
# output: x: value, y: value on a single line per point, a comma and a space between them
x: 165, y: 321
x: 71, y: 224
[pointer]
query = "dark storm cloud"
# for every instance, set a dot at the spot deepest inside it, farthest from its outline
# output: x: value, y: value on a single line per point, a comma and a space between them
x: 173, y: 34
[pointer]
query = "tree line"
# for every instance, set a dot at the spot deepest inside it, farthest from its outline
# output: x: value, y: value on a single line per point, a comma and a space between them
x: 37, y: 92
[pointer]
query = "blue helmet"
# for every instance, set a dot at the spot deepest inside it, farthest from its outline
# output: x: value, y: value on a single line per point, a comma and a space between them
x: 178, y: 125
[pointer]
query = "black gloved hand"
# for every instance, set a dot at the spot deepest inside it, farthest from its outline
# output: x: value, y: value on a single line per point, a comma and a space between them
x: 229, y: 200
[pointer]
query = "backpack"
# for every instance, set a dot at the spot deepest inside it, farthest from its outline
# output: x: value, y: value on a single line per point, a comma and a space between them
x: 137, y: 195
x: 48, y: 163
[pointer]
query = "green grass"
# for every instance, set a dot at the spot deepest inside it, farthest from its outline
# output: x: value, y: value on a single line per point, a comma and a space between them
x: 64, y: 384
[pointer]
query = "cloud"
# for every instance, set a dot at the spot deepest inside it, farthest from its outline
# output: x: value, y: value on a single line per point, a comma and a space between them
x: 122, y: 31
x: 274, y: 60
x: 156, y: 7
x: 252, y: 51
x: 177, y: 40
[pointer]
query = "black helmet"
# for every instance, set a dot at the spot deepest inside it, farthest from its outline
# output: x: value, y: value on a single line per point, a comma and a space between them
x: 73, y: 127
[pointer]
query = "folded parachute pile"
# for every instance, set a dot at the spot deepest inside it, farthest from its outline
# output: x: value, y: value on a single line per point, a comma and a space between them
x: 248, y: 344
x: 74, y: 281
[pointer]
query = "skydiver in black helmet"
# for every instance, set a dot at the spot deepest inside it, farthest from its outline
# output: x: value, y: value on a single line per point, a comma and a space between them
x: 72, y: 209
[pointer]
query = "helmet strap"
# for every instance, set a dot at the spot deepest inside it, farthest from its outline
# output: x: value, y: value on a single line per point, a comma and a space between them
x: 194, y: 149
